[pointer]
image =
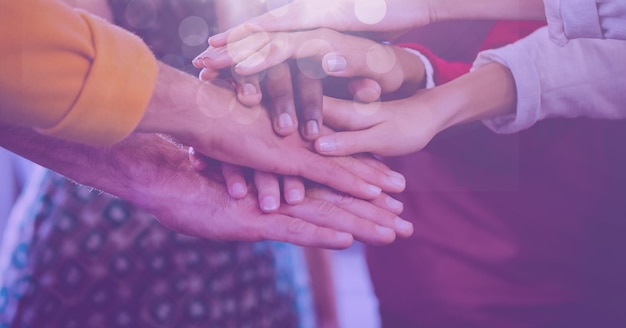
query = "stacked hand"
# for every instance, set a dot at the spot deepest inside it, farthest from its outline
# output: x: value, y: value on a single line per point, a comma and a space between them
x: 366, y: 125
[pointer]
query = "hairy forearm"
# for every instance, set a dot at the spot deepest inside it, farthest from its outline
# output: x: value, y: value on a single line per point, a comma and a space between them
x: 488, y: 9
x: 126, y: 170
x: 487, y: 92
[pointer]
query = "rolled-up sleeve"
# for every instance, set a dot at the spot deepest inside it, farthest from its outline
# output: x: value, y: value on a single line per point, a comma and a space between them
x: 584, y: 78
x: 71, y: 75
x: 597, y: 19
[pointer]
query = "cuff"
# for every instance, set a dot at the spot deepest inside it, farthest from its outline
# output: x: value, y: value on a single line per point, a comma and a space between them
x: 116, y: 91
x: 429, y: 72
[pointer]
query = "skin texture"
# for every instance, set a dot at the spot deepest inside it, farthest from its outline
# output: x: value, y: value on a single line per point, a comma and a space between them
x: 209, y: 118
x: 387, y: 128
x: 373, y: 68
x: 407, y: 125
x: 155, y: 174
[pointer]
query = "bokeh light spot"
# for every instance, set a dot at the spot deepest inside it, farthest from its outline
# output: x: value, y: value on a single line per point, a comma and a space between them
x: 370, y: 11
x: 193, y: 31
x: 380, y: 59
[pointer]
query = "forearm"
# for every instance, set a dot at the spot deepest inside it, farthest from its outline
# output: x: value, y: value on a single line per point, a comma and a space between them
x: 127, y: 170
x: 487, y: 92
x: 487, y: 9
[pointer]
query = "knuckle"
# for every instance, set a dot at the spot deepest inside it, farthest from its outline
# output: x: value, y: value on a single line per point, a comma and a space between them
x: 298, y: 226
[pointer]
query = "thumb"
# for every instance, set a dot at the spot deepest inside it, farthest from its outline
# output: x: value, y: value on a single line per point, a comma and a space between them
x: 349, y: 143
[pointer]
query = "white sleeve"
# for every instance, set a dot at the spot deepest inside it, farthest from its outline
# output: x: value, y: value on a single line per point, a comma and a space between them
x: 598, y: 19
x: 585, y: 77
x: 429, y: 71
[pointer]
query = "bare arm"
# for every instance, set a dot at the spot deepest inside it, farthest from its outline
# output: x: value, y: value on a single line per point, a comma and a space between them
x: 156, y: 175
x: 378, y: 15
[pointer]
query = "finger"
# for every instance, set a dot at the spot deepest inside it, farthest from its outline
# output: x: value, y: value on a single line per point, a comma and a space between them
x: 309, y: 94
x: 198, y: 62
x: 214, y: 58
x: 364, y: 89
x: 268, y: 190
x: 396, y: 181
x: 351, y: 115
x: 235, y: 180
x: 388, y: 203
x: 208, y: 74
x: 279, y: 91
x: 372, y: 60
x: 299, y: 231
x: 341, y: 55
x: 382, y: 176
x: 248, y: 90
x: 366, y: 210
x: 327, y: 171
x: 373, y: 140
x: 250, y: 50
x: 282, y: 46
x: 293, y: 189
x: 197, y: 161
x: 332, y: 216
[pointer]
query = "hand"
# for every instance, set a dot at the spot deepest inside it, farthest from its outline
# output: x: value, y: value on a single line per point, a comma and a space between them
x: 210, y: 119
x: 374, y: 67
x: 340, y: 15
x: 407, y: 125
x: 378, y: 15
x: 389, y: 128
x: 156, y: 175
x: 280, y: 96
x: 320, y: 212
x: 267, y: 185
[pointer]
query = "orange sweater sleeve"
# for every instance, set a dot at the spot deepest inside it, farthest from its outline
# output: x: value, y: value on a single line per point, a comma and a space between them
x: 71, y: 75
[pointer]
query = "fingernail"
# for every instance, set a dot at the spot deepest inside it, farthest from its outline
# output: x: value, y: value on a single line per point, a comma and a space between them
x: 312, y: 129
x: 327, y: 144
x: 375, y: 191
x: 238, y: 189
x: 249, y: 89
x: 335, y: 63
x: 269, y: 204
x: 384, y: 230
x: 253, y: 60
x: 403, y: 225
x: 397, y: 179
x: 343, y: 235
x: 393, y: 203
x: 294, y: 196
x: 285, y: 121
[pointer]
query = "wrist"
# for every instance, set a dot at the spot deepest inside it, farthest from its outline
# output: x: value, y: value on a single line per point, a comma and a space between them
x: 181, y: 106
x: 485, y: 93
